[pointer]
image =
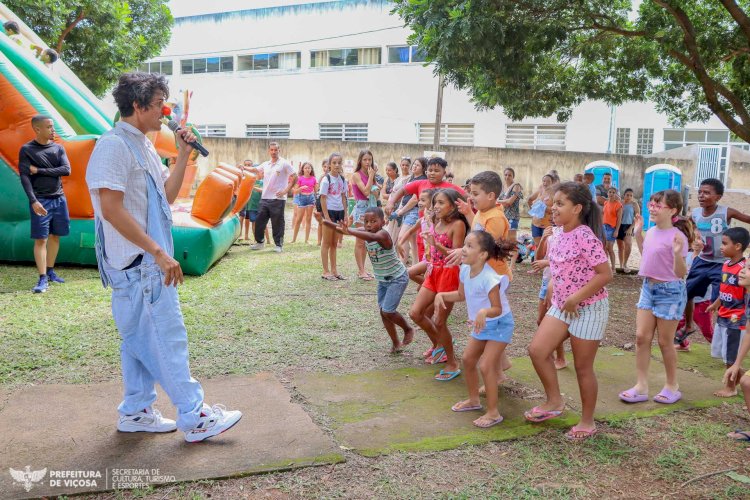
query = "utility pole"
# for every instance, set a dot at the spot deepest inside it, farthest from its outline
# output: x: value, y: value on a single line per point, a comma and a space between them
x: 438, y: 114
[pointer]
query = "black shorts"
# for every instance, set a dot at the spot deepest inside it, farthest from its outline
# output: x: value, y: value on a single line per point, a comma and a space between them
x: 336, y: 215
x: 623, y: 231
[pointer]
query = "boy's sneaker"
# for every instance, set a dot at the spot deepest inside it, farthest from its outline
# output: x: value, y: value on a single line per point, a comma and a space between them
x: 257, y: 246
x: 278, y: 249
x: 42, y: 285
x: 53, y: 277
x: 214, y: 420
x: 148, y: 420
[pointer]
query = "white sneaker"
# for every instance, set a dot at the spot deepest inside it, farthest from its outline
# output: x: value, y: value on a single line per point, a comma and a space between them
x: 148, y: 420
x: 278, y: 250
x: 257, y: 246
x: 214, y: 420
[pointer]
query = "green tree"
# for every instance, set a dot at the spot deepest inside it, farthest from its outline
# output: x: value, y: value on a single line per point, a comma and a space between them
x: 99, y: 39
x: 543, y: 57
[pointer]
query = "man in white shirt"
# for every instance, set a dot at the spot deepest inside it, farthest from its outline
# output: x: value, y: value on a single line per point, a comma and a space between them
x: 278, y: 178
x: 131, y: 194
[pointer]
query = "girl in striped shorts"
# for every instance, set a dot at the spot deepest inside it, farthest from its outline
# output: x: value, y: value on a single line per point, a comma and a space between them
x: 579, y: 309
x: 389, y: 271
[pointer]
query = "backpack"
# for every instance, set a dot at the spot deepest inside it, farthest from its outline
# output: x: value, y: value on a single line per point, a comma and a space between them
x: 318, y: 206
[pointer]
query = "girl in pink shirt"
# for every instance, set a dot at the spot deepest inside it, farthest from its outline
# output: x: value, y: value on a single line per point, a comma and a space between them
x: 663, y: 294
x: 579, y: 271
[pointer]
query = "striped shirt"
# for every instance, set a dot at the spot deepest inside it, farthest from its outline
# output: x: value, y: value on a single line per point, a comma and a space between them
x: 385, y: 263
x: 732, y: 296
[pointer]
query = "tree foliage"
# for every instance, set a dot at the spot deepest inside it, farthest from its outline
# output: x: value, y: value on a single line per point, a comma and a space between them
x: 543, y: 57
x: 99, y: 39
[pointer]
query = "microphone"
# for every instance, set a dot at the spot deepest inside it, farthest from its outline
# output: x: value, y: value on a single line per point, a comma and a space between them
x: 174, y: 127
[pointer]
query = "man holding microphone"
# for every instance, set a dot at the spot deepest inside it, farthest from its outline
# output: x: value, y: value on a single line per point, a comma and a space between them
x: 131, y: 192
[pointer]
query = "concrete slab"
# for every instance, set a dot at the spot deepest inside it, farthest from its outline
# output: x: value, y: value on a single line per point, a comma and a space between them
x: 406, y: 410
x: 69, y: 430
x: 616, y: 372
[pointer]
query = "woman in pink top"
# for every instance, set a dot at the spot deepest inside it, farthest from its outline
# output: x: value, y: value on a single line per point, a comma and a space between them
x: 663, y: 294
x: 304, y: 190
x: 362, y: 182
x: 579, y: 272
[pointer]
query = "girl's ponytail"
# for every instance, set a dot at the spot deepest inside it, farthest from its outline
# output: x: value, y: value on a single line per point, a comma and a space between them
x: 499, y: 249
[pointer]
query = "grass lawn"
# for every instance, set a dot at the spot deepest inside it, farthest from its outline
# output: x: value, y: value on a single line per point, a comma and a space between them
x: 267, y: 312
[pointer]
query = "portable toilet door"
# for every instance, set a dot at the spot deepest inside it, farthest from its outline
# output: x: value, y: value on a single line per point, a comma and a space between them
x: 658, y: 178
x: 599, y: 168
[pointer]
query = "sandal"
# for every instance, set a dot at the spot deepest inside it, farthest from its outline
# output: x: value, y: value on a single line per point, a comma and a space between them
x: 340, y: 277
x: 630, y: 396
x: 682, y: 334
x: 366, y: 277
x: 667, y: 396
x: 576, y: 434
x: 445, y: 375
x: 488, y: 423
x: 537, y: 415
x: 430, y: 360
x: 329, y: 277
x: 743, y: 435
x: 470, y: 407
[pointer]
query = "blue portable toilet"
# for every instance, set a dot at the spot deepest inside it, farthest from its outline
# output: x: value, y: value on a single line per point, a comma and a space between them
x: 601, y: 167
x: 658, y: 178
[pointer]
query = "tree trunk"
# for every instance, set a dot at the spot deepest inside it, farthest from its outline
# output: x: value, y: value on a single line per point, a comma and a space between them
x: 67, y: 30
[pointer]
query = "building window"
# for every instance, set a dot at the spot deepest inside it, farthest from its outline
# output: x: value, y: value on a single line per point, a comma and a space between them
x: 345, y: 57
x: 535, y: 136
x: 163, y: 67
x: 343, y: 131
x: 267, y: 131
x: 622, y: 141
x: 645, y: 144
x: 681, y: 137
x: 457, y: 134
x: 207, y: 65
x: 212, y: 130
x: 403, y: 54
x: 261, y: 62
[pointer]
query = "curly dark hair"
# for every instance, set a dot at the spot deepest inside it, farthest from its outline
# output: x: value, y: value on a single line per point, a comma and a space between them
x: 138, y: 88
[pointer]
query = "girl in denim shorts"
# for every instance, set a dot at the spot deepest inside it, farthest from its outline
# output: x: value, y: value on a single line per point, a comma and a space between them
x: 490, y: 320
x: 663, y: 294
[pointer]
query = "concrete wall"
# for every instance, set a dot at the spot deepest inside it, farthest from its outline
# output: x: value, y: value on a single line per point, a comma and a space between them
x: 530, y: 165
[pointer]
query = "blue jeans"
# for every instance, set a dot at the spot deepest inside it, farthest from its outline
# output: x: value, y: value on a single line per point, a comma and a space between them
x: 411, y: 217
x: 497, y: 329
x: 665, y: 300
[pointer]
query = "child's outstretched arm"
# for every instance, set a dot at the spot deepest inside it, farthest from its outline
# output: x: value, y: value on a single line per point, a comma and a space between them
x: 733, y: 213
x: 443, y: 297
x: 382, y: 237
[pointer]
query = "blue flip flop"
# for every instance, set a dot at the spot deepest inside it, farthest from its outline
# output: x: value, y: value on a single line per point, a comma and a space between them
x: 451, y: 375
x: 436, y: 355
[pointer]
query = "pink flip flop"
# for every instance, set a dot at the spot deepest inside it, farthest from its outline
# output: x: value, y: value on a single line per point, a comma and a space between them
x: 537, y: 415
x: 667, y: 396
x: 630, y: 396
x: 460, y: 409
x: 571, y: 434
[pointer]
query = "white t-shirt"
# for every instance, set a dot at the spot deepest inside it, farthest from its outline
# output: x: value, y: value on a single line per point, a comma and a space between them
x: 332, y: 191
x: 275, y: 178
x: 477, y: 290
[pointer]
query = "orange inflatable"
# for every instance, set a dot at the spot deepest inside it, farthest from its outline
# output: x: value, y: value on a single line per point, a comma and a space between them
x: 213, y: 198
x: 244, y: 193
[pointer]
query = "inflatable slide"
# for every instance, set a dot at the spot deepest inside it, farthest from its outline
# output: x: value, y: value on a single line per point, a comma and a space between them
x: 205, y: 226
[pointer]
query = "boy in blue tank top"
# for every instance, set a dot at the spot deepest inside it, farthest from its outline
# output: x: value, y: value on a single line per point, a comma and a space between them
x: 712, y: 220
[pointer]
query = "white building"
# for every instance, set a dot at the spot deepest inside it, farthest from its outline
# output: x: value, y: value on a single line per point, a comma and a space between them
x: 341, y: 69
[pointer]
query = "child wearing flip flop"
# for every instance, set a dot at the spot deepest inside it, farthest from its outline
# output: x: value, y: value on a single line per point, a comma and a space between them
x: 735, y: 374
x: 389, y: 271
x: 490, y: 319
x: 663, y: 294
x: 448, y: 232
x: 333, y: 208
x: 580, y: 309
x: 730, y: 324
